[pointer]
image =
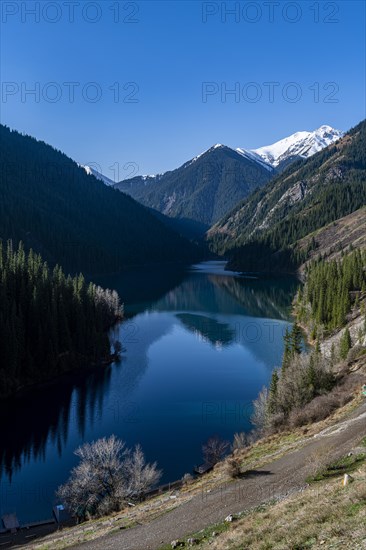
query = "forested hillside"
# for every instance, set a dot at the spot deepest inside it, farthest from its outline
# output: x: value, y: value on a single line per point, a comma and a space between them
x: 332, y: 288
x: 203, y: 189
x: 261, y: 233
x: 73, y: 219
x: 49, y: 323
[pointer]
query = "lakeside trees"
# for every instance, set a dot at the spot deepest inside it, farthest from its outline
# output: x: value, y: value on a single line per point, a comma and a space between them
x: 303, y: 378
x: 331, y: 292
x: 108, y: 474
x: 49, y: 322
x: 329, y: 286
x: 214, y: 449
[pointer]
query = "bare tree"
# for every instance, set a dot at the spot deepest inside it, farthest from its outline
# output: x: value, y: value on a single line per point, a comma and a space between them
x: 260, y: 410
x: 96, y: 479
x: 108, y: 300
x: 106, y: 476
x: 140, y: 477
x: 240, y: 441
x: 214, y: 449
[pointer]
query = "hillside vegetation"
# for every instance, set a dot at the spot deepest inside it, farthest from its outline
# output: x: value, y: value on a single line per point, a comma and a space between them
x: 202, y: 190
x: 344, y: 278
x: 73, y: 219
x: 49, y: 323
x: 262, y: 233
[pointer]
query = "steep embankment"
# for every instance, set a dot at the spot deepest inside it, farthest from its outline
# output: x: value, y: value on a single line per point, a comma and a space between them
x: 329, y: 241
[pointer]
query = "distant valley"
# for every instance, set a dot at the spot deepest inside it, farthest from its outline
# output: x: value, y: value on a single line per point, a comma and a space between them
x: 204, y: 189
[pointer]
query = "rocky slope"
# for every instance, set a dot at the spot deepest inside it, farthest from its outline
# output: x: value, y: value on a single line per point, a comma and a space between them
x: 306, y: 197
x: 203, y: 189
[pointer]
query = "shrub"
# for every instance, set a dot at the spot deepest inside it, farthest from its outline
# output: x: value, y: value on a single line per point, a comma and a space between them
x: 214, y: 449
x: 240, y: 441
x: 187, y: 479
x: 233, y: 467
x: 106, y: 476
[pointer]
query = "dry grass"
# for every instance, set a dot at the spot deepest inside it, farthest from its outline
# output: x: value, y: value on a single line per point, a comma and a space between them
x: 325, y: 516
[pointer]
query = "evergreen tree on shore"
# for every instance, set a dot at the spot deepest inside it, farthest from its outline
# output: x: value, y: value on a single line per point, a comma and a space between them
x: 292, y: 340
x: 332, y: 288
x: 49, y: 322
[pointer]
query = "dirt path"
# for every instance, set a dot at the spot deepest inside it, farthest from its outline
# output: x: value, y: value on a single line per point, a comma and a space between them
x: 284, y: 475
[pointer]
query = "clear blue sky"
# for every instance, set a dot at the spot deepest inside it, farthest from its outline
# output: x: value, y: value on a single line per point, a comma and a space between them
x: 169, y: 49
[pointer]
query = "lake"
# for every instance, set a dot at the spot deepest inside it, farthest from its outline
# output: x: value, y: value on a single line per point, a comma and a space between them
x: 199, y: 344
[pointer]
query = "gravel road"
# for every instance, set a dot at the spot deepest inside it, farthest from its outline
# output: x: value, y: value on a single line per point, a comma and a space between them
x: 281, y: 477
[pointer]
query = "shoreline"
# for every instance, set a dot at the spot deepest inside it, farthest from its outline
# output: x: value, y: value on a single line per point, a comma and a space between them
x: 23, y: 391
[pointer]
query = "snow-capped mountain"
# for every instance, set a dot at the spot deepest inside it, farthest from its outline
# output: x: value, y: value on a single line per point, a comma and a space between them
x: 98, y: 175
x: 204, y: 188
x: 250, y: 155
x: 298, y: 145
x: 273, y: 157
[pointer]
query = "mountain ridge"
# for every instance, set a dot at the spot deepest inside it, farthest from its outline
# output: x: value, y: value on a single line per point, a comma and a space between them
x: 301, y: 144
x: 203, y: 188
x: 50, y: 203
x: 264, y: 229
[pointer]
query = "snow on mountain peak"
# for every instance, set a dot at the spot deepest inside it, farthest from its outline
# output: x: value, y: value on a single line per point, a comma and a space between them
x: 326, y: 128
x: 300, y: 144
x: 251, y: 155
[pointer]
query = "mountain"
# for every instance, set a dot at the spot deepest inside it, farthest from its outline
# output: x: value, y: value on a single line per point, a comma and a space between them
x: 92, y: 172
x: 207, y: 187
x: 71, y: 218
x: 262, y: 233
x: 203, y: 189
x: 298, y: 145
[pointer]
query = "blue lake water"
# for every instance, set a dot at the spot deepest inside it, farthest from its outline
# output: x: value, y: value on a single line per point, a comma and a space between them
x: 198, y: 345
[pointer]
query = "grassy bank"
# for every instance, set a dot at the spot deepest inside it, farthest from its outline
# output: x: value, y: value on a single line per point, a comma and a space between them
x: 325, y: 515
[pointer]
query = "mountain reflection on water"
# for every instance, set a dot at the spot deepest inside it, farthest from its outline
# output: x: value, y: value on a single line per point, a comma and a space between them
x: 199, y: 345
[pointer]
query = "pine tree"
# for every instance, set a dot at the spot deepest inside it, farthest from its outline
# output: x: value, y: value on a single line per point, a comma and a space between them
x: 287, y: 349
x: 296, y: 339
x: 272, y: 396
x: 49, y: 323
x: 345, y: 344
